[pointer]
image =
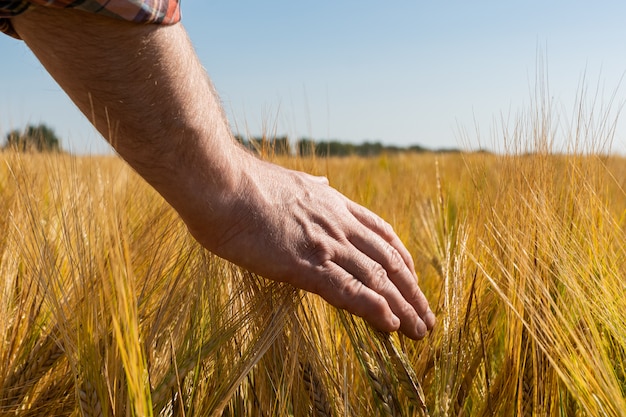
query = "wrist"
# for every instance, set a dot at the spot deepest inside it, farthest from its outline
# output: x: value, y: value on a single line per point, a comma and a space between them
x: 201, y: 179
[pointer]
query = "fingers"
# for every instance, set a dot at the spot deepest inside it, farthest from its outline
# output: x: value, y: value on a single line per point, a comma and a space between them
x: 342, y: 290
x: 382, y: 277
x: 406, y: 300
x: 369, y: 265
x: 383, y: 229
x: 382, y: 245
x: 361, y: 272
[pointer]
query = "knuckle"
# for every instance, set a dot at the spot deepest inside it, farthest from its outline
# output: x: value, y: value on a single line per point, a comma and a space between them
x: 416, y: 298
x: 407, y: 310
x: 385, y: 228
x: 388, y: 228
x: 395, y: 260
x: 320, y: 285
x: 378, y: 280
x: 320, y: 251
x: 350, y: 289
x: 328, y: 278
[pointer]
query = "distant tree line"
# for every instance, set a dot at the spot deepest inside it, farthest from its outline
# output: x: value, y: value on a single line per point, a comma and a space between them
x: 34, y: 138
x: 308, y: 147
x: 42, y: 138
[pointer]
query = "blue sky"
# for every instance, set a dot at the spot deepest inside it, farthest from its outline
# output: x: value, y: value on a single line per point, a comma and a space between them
x: 400, y: 72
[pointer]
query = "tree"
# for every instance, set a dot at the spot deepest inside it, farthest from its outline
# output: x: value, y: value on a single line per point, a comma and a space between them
x: 39, y: 138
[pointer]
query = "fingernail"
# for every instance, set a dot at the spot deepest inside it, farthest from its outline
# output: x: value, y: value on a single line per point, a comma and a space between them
x: 395, y: 321
x: 430, y: 319
x: 421, y: 330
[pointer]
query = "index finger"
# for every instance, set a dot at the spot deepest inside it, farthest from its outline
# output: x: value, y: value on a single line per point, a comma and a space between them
x: 384, y: 251
x: 379, y: 226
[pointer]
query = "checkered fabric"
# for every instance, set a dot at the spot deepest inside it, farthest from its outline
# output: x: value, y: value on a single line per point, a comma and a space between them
x: 165, y: 12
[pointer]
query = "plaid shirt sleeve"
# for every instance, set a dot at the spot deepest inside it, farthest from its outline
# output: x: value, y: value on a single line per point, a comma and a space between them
x: 164, y: 12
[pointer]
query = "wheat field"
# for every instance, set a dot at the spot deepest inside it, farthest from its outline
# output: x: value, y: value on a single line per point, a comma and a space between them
x: 109, y: 307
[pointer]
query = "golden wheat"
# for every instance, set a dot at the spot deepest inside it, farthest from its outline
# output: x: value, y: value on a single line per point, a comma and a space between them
x: 109, y: 307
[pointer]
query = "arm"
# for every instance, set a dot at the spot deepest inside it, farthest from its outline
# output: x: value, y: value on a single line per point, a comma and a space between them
x: 144, y: 89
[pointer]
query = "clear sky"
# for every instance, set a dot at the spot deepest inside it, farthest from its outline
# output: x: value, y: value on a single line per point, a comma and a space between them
x: 400, y: 72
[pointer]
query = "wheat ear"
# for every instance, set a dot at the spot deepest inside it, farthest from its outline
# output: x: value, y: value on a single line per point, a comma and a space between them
x: 380, y: 383
x: 316, y: 391
x: 40, y: 360
x: 57, y: 399
x: 404, y: 370
x: 89, y: 402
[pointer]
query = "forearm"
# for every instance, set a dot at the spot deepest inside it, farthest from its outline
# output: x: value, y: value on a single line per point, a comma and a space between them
x: 145, y: 91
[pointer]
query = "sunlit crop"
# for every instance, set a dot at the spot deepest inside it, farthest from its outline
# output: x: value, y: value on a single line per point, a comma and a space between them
x: 109, y: 307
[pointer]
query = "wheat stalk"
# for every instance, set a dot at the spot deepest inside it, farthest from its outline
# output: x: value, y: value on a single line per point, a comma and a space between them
x: 316, y: 391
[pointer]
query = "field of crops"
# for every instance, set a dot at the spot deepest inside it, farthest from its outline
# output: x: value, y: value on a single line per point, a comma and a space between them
x: 109, y: 307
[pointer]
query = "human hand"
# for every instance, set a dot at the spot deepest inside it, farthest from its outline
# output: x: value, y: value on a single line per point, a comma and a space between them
x: 284, y: 225
x: 292, y: 227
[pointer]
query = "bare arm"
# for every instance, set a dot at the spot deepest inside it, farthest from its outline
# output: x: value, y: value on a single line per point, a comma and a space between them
x: 144, y: 89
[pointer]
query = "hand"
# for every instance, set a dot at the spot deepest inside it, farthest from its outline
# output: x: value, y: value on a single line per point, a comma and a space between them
x: 282, y: 224
x: 292, y: 227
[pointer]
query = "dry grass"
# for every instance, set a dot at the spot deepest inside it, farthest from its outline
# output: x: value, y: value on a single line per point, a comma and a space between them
x: 110, y: 308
